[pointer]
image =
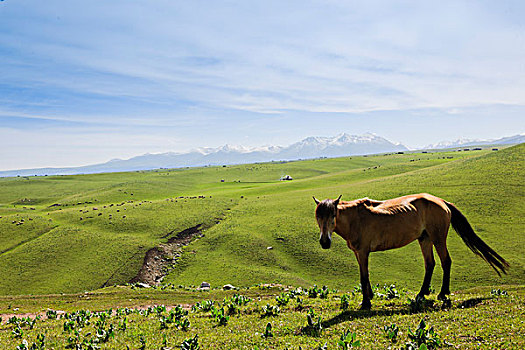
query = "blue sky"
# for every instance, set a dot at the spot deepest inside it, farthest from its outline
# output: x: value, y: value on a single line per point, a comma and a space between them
x: 83, y: 82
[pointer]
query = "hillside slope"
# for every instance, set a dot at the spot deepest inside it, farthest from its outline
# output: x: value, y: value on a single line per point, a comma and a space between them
x: 489, y: 190
x: 77, y: 233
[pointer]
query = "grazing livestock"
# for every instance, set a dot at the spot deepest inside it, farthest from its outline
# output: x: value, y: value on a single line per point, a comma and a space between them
x: 368, y: 225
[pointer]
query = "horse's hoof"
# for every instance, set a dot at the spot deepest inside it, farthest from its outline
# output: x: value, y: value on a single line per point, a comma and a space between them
x: 442, y: 297
x: 365, y: 306
x: 446, y: 304
x: 420, y: 298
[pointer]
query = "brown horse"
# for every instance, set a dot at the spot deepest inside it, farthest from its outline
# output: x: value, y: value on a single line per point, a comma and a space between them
x: 368, y: 226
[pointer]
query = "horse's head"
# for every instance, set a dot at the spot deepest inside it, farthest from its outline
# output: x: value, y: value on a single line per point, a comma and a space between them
x: 326, y: 214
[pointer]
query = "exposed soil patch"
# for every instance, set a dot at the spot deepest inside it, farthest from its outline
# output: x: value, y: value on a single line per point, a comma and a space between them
x: 160, y: 259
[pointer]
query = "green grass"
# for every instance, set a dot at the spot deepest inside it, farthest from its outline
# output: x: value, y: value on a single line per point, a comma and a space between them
x: 488, y: 189
x: 68, y: 246
x: 475, y: 319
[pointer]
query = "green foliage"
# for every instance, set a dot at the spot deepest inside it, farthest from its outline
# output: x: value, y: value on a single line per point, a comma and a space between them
x: 474, y: 319
x: 345, y: 302
x: 220, y: 316
x: 39, y: 344
x: 109, y: 248
x: 177, y: 317
x: 17, y: 332
x: 234, y: 303
x: 51, y: 314
x: 143, y: 342
x: 314, y: 324
x: 499, y: 293
x: 190, y: 343
x: 238, y: 299
x: 420, y: 304
x: 315, y: 292
x: 423, y: 335
x: 270, y: 310
x: 348, y: 340
x: 268, y: 331
x: 391, y: 332
x: 205, y: 306
x: 387, y: 292
x: 232, y: 308
x: 283, y: 299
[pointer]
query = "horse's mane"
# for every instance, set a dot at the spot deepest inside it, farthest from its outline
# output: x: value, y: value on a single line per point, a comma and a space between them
x: 379, y: 207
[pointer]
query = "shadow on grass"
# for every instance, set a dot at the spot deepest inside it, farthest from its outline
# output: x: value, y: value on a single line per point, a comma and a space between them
x: 431, y: 306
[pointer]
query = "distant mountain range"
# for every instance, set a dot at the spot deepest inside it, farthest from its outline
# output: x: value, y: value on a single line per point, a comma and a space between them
x: 311, y: 147
x: 516, y: 139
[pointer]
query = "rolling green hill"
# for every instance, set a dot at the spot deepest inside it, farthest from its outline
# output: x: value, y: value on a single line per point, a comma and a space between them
x: 82, y: 232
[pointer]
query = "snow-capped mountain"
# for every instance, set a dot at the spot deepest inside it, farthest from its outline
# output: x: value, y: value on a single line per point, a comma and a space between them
x: 340, y: 145
x: 516, y: 139
x: 311, y: 147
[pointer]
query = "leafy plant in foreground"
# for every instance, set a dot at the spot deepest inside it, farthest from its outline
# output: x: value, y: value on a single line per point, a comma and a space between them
x: 190, y: 343
x: 51, y: 314
x: 391, y: 332
x: 419, y: 304
x: 348, y: 340
x: 314, y: 327
x: 176, y: 317
x: 103, y: 335
x: 388, y: 292
x: 499, y: 293
x: 238, y: 299
x: 123, y: 325
x: 324, y: 292
x: 142, y: 340
x: 232, y: 308
x: 183, y: 324
x: 39, y: 345
x: 315, y: 291
x: 268, y: 331
x: 423, y: 336
x: 345, y: 302
x: 283, y: 299
x: 17, y: 332
x: 270, y: 310
x: 220, y: 316
x: 205, y: 306
x: 23, y: 346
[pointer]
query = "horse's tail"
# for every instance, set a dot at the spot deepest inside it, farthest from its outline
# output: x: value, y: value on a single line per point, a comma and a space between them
x: 472, y: 240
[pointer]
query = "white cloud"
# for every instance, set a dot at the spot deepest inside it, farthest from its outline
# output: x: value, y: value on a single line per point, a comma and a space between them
x: 185, y: 64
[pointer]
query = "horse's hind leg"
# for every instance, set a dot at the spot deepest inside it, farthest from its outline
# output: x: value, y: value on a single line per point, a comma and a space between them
x: 446, y: 263
x: 428, y: 255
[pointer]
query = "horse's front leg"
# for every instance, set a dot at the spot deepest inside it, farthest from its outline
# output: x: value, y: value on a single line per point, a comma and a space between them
x: 366, y: 288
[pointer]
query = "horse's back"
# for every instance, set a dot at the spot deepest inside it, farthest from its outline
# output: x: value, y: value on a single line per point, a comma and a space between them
x: 428, y: 210
x: 416, y: 200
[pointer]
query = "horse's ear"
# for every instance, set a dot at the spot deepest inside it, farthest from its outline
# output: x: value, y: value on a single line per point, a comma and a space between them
x: 337, y: 200
x: 316, y: 200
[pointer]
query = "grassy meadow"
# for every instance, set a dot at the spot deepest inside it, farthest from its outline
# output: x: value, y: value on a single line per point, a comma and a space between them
x: 312, y: 318
x: 62, y: 236
x: 76, y: 233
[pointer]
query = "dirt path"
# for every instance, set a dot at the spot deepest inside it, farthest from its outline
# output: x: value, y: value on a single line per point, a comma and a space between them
x: 159, y: 260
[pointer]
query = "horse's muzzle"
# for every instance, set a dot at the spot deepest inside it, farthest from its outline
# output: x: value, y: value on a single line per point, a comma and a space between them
x: 325, y: 243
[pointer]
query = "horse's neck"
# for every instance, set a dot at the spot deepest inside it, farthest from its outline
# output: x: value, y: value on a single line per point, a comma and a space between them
x: 345, y: 220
